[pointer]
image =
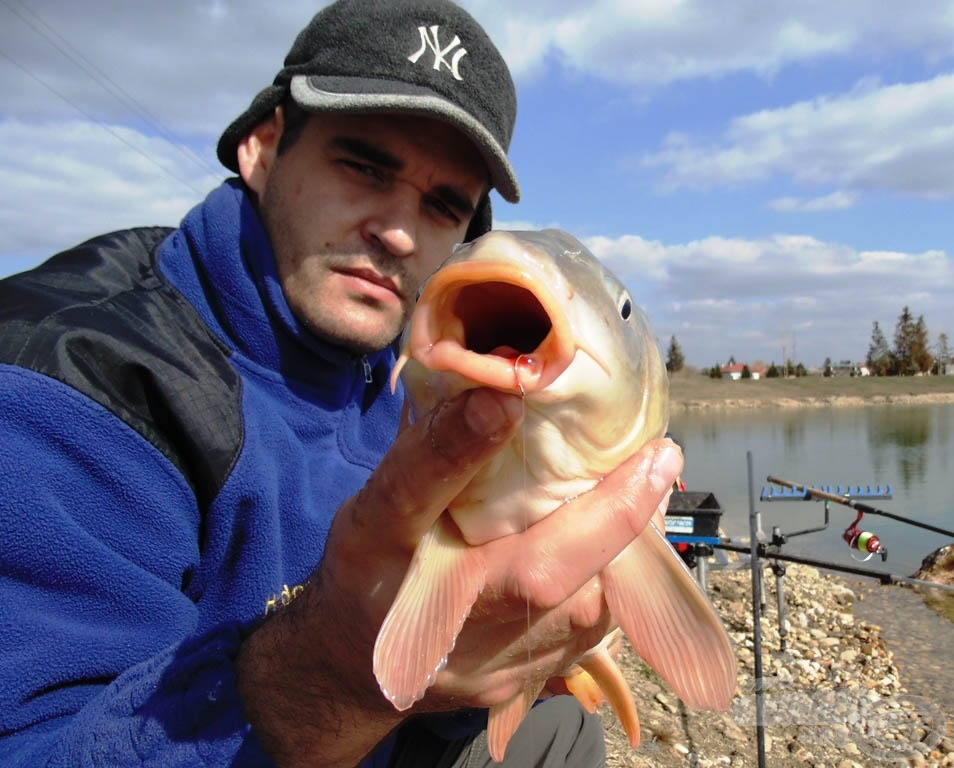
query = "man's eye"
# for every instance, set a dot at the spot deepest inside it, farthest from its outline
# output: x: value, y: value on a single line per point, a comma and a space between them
x: 364, y: 169
x: 444, y: 210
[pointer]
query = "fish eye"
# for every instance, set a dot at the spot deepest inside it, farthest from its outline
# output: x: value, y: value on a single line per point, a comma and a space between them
x: 625, y: 307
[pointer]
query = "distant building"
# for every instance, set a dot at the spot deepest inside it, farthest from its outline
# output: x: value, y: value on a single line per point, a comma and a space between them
x: 734, y: 372
x: 848, y: 368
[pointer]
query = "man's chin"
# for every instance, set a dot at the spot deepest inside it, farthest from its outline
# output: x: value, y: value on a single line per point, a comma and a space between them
x: 363, y: 341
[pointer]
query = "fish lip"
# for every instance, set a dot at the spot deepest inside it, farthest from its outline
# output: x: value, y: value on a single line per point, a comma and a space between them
x: 432, y: 345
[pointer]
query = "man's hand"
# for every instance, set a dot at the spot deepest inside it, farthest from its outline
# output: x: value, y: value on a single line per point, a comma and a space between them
x: 306, y: 673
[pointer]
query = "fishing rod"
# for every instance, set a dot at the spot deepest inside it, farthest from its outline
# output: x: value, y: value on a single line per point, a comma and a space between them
x: 847, y: 501
x: 766, y: 552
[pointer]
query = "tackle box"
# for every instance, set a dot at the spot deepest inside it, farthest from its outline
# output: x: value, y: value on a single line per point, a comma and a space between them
x: 693, y: 518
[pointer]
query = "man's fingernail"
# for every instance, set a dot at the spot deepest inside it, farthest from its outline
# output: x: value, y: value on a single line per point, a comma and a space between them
x: 667, y: 464
x: 491, y: 414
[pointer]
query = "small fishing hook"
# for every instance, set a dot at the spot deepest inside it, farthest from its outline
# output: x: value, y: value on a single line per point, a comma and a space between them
x: 516, y: 372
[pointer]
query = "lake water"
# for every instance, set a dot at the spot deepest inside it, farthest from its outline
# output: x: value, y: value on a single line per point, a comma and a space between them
x: 910, y: 448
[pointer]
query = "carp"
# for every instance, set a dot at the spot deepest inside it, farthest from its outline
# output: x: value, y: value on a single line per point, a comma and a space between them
x: 534, y: 313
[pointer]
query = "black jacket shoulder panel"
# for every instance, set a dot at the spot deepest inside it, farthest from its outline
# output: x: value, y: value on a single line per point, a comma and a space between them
x: 101, y: 318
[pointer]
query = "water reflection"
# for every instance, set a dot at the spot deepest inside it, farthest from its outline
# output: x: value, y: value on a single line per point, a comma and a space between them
x: 911, y: 448
x: 902, y: 434
x: 793, y: 430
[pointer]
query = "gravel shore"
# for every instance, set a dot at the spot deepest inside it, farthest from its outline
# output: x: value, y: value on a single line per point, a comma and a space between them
x: 834, y: 698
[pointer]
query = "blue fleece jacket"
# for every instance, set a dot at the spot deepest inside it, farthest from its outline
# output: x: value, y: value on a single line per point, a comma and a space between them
x: 128, y: 571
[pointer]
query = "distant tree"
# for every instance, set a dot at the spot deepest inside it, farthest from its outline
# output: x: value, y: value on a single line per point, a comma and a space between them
x: 879, y: 356
x: 772, y: 372
x: 715, y: 372
x: 829, y: 371
x: 943, y: 353
x: 675, y: 361
x: 800, y: 371
x: 903, y: 345
x: 746, y: 373
x: 921, y: 359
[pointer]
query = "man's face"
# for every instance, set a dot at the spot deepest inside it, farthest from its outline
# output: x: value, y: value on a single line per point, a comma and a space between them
x: 359, y: 211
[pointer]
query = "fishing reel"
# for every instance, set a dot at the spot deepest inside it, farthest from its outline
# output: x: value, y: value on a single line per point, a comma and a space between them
x: 863, y: 541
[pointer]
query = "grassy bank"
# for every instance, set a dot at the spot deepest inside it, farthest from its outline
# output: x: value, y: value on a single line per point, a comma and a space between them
x: 690, y: 390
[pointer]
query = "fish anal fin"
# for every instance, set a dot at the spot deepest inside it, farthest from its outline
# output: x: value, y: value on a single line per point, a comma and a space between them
x: 670, y: 622
x: 602, y: 673
x: 419, y: 632
x: 504, y: 719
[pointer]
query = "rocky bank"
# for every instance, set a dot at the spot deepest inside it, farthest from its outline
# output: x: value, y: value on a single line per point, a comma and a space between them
x: 939, y: 568
x: 834, y: 697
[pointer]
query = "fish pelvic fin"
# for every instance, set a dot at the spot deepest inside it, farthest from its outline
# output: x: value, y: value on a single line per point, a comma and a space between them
x: 419, y: 632
x: 585, y: 689
x: 504, y: 719
x: 670, y: 622
x: 602, y: 679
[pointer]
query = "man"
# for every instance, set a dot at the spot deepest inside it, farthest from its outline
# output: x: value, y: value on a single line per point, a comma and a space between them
x: 203, y: 524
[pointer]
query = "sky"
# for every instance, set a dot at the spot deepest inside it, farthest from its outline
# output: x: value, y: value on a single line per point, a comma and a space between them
x: 768, y: 178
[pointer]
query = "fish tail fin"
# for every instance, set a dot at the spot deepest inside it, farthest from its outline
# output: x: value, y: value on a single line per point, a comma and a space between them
x: 670, y: 622
x: 420, y: 630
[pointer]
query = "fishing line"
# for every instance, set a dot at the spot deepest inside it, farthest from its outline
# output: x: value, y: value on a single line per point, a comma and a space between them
x: 526, y: 485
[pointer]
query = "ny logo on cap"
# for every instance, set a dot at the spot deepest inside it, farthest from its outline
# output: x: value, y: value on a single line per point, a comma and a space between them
x: 430, y: 38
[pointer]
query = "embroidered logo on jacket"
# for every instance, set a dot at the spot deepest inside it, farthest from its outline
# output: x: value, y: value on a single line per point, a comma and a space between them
x: 287, y: 595
x: 430, y: 39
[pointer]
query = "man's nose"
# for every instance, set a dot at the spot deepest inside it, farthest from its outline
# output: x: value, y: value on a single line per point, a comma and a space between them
x: 394, y: 223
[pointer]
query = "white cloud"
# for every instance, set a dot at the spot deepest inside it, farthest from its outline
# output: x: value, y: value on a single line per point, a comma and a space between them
x: 195, y: 65
x: 725, y: 296
x: 836, y: 201
x: 82, y: 179
x: 887, y: 138
x: 649, y: 43
x: 643, y: 43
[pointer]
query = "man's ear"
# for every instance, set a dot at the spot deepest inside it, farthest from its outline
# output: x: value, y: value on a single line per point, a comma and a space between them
x: 258, y: 150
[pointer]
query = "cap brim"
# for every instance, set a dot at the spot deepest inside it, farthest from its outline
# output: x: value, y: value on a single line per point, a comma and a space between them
x: 261, y: 107
x: 351, y: 94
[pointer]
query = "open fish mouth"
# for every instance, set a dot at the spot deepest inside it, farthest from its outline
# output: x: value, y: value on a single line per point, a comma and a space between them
x: 501, y: 319
x: 495, y: 322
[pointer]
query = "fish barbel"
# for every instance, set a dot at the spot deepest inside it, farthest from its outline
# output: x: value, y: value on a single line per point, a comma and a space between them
x: 536, y: 314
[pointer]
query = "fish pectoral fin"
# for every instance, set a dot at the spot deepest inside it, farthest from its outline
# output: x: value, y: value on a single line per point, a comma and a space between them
x: 504, y: 719
x: 670, y: 622
x: 442, y: 583
x: 602, y: 673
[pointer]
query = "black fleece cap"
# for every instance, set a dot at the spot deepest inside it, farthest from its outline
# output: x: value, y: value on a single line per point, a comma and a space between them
x: 417, y: 57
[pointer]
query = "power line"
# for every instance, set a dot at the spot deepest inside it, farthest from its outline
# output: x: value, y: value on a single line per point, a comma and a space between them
x: 99, y: 122
x: 110, y: 86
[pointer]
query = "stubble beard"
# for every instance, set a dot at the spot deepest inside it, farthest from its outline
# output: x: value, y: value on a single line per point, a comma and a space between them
x: 359, y: 325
